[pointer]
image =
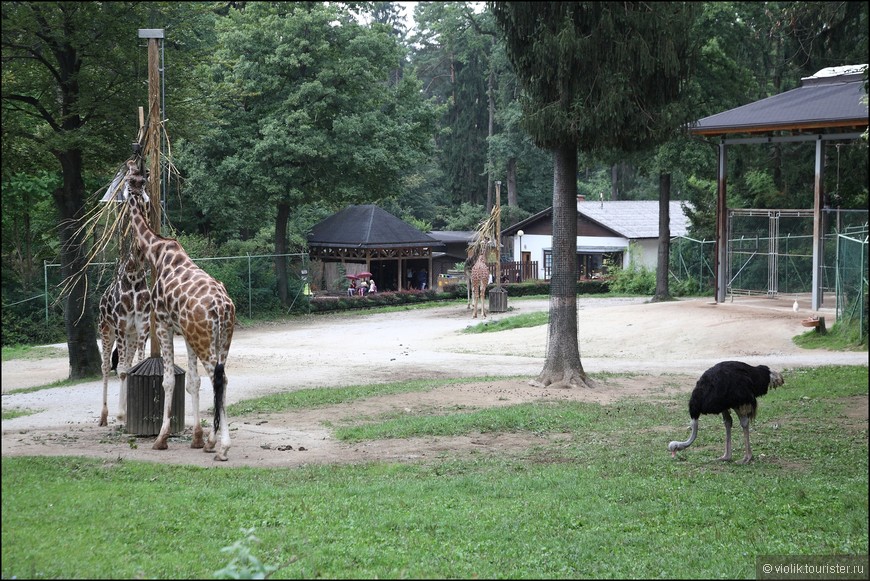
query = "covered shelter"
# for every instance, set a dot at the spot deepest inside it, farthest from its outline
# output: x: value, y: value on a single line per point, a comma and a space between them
x: 366, y: 238
x: 830, y: 105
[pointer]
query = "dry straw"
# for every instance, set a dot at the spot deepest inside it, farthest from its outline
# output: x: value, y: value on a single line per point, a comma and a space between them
x: 107, y: 221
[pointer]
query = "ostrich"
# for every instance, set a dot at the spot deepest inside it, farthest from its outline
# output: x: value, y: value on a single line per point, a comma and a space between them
x: 729, y: 385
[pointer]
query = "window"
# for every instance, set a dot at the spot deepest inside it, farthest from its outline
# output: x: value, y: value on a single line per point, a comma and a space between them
x: 548, y: 264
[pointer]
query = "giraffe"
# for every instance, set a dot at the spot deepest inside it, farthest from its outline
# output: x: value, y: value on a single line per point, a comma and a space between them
x: 479, y: 281
x: 186, y: 300
x: 125, y: 316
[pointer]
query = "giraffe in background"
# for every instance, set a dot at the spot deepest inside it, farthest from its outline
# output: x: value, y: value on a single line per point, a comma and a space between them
x: 187, y: 300
x: 125, y: 317
x: 479, y: 281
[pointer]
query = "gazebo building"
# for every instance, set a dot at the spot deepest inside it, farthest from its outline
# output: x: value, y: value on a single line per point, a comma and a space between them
x: 829, y: 106
x: 366, y: 238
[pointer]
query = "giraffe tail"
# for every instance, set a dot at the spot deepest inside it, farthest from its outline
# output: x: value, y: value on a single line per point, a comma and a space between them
x: 219, y: 383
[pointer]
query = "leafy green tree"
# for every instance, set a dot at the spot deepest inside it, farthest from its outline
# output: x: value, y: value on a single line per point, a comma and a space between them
x: 527, y: 169
x: 451, y: 57
x: 309, y: 111
x: 69, y: 97
x: 55, y: 90
x: 595, y: 76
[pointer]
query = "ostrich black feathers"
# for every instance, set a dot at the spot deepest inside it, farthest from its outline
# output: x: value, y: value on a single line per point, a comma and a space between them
x: 729, y: 385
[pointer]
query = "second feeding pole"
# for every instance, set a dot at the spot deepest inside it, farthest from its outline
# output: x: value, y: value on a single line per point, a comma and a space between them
x: 498, y: 295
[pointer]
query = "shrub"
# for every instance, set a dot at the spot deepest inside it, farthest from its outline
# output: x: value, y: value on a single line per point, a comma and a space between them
x: 633, y: 281
x: 32, y: 328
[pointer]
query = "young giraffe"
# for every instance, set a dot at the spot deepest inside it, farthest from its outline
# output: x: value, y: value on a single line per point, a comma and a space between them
x: 479, y: 281
x: 189, y: 301
x: 125, y: 316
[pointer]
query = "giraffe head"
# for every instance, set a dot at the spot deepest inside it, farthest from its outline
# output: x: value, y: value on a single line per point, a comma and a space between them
x: 134, y: 188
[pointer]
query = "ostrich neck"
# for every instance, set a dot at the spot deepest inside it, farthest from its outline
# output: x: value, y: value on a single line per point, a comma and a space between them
x: 692, y: 436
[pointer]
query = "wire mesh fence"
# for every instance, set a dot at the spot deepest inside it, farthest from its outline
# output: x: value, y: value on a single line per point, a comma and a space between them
x: 851, y: 280
x: 691, y: 265
x: 250, y: 280
x: 771, y: 251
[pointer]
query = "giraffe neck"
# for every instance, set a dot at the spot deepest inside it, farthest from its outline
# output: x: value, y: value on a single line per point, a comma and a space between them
x: 148, y: 242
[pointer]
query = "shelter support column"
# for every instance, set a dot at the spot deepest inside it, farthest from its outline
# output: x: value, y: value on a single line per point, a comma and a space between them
x: 818, y: 232
x: 721, y: 226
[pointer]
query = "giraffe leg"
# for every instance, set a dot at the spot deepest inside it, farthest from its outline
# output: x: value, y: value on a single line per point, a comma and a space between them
x: 726, y: 417
x: 483, y: 297
x: 126, y: 347
x: 167, y: 351
x: 221, y: 454
x: 225, y: 428
x: 192, y: 386
x: 108, y: 340
x: 468, y: 291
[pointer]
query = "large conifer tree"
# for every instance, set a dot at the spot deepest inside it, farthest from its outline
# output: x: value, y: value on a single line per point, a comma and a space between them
x: 595, y: 76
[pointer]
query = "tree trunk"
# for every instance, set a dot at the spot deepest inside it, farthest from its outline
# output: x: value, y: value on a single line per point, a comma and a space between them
x: 562, y: 367
x: 81, y: 328
x: 614, y: 176
x: 662, y: 274
x: 281, y: 249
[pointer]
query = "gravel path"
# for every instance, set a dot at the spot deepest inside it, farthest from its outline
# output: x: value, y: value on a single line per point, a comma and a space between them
x: 617, y: 335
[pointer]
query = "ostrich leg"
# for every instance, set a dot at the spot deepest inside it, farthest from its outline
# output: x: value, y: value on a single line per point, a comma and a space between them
x: 726, y: 417
x: 747, y: 456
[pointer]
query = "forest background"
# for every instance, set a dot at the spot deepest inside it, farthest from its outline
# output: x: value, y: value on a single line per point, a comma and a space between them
x: 280, y: 114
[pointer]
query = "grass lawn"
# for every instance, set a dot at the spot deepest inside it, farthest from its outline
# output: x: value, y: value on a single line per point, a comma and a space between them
x: 605, y: 502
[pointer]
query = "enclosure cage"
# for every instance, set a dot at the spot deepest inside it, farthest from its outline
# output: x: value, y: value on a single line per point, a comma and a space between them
x: 770, y: 252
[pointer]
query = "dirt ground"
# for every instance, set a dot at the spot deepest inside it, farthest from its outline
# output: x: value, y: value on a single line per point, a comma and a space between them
x: 659, y: 348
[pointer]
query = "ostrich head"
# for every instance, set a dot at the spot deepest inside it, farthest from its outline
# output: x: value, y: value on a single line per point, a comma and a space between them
x: 676, y: 446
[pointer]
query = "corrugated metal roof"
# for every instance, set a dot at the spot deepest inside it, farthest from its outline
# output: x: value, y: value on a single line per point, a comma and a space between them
x: 466, y: 236
x: 631, y: 219
x: 367, y: 226
x: 832, y: 98
x: 634, y: 219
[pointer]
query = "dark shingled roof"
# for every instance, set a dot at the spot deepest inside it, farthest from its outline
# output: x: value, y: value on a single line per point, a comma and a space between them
x: 832, y: 98
x: 367, y: 226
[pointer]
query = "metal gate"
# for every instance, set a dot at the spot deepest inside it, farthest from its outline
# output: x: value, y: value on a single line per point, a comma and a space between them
x: 763, y: 257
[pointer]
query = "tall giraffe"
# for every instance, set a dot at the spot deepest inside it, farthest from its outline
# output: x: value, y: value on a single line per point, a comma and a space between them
x: 479, y: 281
x: 187, y: 300
x: 125, y: 316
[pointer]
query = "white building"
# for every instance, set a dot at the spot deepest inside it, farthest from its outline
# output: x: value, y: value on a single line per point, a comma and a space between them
x: 605, y: 232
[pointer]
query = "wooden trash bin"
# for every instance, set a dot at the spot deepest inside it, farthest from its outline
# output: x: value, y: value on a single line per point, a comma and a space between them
x: 498, y: 300
x: 145, y: 399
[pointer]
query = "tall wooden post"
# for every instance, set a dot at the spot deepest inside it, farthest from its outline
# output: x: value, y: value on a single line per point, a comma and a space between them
x: 498, y: 234
x: 498, y: 295
x: 152, y: 149
x: 145, y: 394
